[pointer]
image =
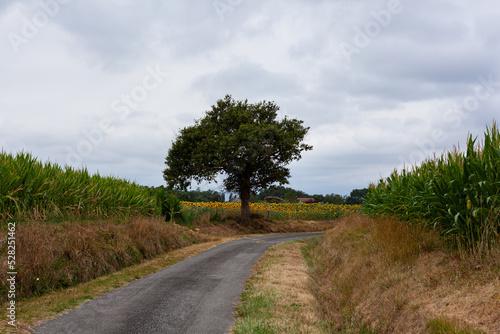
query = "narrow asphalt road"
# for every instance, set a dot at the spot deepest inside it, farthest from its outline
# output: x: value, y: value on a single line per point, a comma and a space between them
x: 193, y: 296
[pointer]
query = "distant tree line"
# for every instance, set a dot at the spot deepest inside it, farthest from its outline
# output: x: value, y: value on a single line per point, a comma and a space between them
x: 356, y: 196
x: 197, y: 195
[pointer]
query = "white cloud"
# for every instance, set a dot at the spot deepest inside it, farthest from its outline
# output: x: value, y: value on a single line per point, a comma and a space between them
x: 411, y: 90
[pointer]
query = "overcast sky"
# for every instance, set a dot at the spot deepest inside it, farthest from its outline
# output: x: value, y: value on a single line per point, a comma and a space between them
x: 381, y: 83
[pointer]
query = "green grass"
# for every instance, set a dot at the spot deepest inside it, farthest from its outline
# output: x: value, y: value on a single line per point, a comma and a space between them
x: 257, y: 308
x: 256, y: 304
x: 444, y: 326
x: 256, y: 326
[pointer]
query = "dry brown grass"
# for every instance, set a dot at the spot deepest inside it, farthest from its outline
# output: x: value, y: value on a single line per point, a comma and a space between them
x: 283, y: 274
x: 387, y: 276
x: 52, y: 256
x: 231, y: 226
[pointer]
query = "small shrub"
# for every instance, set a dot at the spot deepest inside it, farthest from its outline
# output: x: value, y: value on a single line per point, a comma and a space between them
x: 170, y: 205
x: 187, y: 218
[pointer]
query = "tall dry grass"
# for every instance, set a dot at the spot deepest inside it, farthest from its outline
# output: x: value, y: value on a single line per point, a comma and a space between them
x: 53, y: 256
x: 385, y: 276
x: 355, y: 252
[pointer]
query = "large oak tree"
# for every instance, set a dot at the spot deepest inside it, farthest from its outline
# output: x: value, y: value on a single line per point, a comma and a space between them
x: 243, y: 142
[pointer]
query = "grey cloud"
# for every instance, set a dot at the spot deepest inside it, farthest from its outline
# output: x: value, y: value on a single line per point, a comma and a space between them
x: 5, y: 4
x: 114, y: 36
x: 118, y: 35
x: 365, y: 115
x: 247, y: 80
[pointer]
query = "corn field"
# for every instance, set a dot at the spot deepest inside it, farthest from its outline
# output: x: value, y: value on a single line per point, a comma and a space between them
x: 457, y: 193
x: 31, y: 189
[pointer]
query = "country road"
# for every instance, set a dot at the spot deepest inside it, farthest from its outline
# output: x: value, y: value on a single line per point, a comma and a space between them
x: 194, y: 296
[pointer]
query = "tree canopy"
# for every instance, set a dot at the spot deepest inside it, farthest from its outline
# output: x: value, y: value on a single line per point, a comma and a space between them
x: 243, y: 142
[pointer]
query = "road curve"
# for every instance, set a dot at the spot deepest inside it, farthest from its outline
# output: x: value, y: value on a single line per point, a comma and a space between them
x: 193, y: 296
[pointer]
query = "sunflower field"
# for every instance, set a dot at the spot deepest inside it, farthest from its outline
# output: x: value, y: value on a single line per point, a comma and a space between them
x: 309, y: 211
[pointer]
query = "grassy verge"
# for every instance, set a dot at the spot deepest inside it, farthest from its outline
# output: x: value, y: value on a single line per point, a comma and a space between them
x: 277, y: 298
x: 384, y: 276
x: 33, y: 310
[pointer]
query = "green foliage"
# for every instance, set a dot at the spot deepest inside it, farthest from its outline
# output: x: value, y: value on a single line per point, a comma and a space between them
x: 241, y: 141
x: 169, y: 203
x: 331, y: 198
x: 281, y: 192
x: 172, y: 207
x: 290, y: 197
x: 456, y: 193
x: 357, y: 196
x: 444, y: 326
x: 201, y: 196
x: 187, y: 218
x: 30, y: 188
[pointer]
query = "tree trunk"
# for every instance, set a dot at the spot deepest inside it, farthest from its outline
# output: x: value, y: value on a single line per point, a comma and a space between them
x: 245, y: 202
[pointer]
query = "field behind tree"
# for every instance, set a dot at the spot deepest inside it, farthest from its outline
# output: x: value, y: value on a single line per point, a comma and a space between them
x: 273, y: 211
